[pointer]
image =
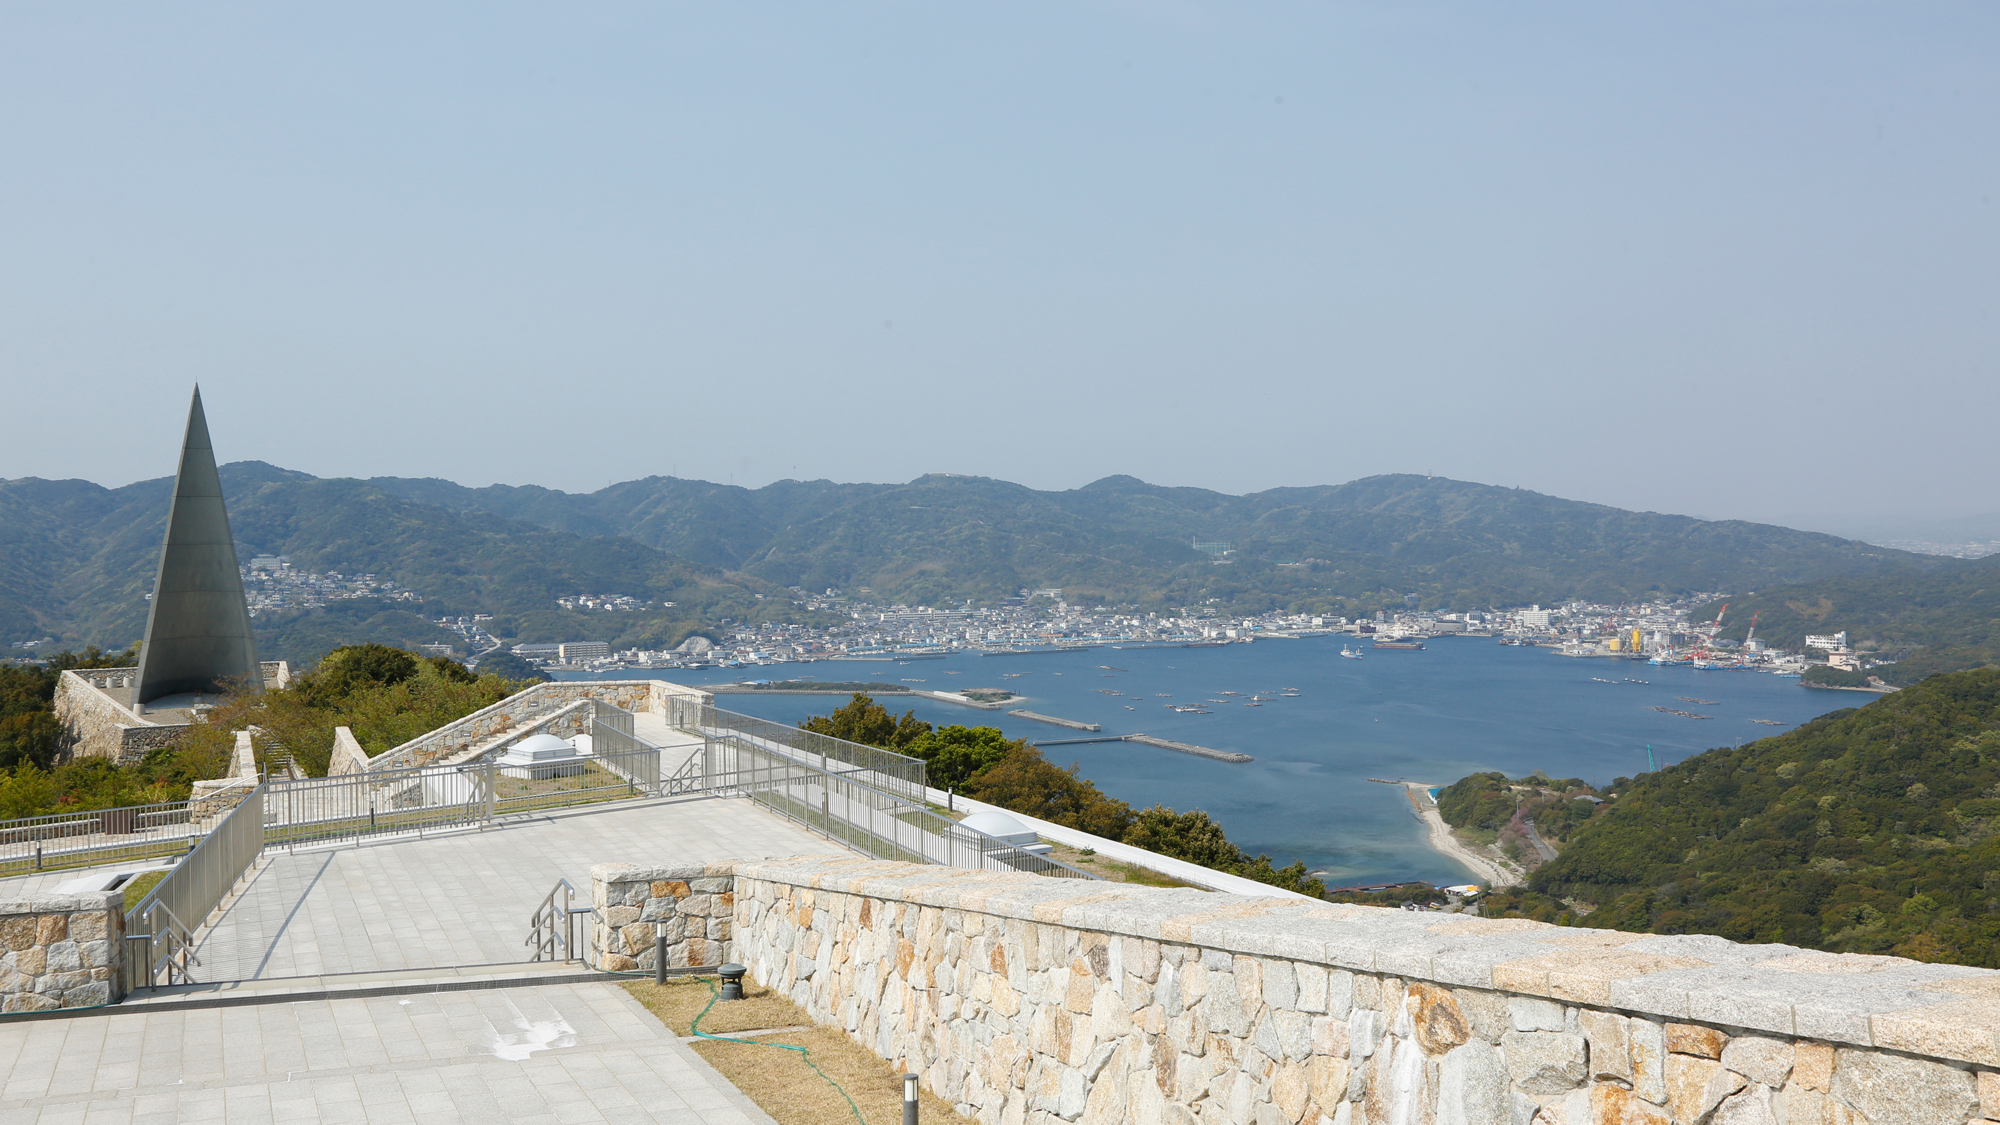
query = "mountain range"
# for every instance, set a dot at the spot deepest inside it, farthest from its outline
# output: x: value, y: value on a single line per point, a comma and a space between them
x: 943, y: 537
x: 77, y: 557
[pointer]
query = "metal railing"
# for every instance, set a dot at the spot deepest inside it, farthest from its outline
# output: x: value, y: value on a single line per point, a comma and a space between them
x: 160, y: 930
x: 872, y: 821
x: 870, y: 800
x: 430, y: 798
x: 898, y: 773
x: 553, y: 928
x: 96, y: 837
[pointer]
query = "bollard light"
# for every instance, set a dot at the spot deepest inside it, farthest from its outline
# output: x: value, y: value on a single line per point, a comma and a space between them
x: 909, y: 1099
x: 732, y: 981
x: 659, y: 958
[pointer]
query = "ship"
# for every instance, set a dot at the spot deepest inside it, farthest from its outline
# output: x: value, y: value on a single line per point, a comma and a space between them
x: 1402, y: 642
x: 1349, y: 653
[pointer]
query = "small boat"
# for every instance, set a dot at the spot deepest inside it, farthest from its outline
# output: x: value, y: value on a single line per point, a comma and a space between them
x: 1349, y: 653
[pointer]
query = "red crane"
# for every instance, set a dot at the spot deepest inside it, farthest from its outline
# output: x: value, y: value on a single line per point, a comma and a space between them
x: 1715, y: 627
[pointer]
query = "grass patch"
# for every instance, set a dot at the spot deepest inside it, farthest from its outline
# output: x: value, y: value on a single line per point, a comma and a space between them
x: 96, y: 857
x: 1114, y: 871
x: 681, y: 999
x: 137, y: 888
x: 779, y: 1081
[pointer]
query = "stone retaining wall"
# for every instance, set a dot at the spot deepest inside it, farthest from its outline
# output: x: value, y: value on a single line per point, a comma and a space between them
x: 348, y: 756
x: 694, y: 905
x: 516, y: 715
x: 61, y: 951
x: 1029, y: 1001
x: 99, y: 726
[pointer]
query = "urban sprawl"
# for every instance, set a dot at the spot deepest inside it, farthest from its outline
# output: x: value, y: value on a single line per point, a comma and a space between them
x: 1041, y: 620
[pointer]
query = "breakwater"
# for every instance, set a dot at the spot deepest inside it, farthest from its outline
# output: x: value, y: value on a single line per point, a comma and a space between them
x: 1149, y: 740
x: 1053, y: 721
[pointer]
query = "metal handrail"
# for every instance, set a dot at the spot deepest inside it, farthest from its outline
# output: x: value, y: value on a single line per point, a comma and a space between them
x: 877, y: 823
x: 553, y: 926
x: 93, y: 837
x: 192, y: 890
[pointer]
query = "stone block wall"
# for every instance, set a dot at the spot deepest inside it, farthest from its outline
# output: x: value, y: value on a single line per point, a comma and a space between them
x: 1033, y: 1001
x: 348, y: 756
x: 98, y: 725
x: 694, y: 905
x: 520, y: 713
x: 61, y: 951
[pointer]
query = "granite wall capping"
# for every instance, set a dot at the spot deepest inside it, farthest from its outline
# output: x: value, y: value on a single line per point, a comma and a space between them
x: 1031, y: 1001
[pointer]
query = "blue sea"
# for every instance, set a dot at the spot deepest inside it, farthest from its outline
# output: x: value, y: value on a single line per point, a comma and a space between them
x: 1461, y: 705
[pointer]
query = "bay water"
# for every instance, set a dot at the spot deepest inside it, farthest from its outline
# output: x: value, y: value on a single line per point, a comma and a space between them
x: 1461, y: 705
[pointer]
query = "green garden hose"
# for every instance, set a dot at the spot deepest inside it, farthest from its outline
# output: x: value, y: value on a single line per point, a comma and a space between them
x: 804, y: 1053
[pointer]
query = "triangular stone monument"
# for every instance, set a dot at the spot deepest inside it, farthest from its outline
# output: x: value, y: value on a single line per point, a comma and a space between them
x: 198, y: 628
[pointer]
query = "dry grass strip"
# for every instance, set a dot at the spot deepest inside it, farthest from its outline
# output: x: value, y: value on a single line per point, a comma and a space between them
x: 779, y: 1081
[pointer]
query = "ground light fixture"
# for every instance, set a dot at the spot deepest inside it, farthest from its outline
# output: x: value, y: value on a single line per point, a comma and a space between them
x: 732, y: 980
x: 909, y: 1099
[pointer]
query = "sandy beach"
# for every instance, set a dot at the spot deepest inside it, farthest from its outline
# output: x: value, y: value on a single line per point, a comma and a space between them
x: 1490, y: 871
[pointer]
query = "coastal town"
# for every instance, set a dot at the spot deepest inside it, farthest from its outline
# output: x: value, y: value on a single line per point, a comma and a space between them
x: 1043, y: 620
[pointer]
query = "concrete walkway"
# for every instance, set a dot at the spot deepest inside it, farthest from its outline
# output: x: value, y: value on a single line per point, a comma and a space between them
x: 550, y: 1055
x: 464, y: 898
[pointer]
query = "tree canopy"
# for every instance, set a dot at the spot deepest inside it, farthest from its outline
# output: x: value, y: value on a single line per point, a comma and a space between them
x: 986, y: 765
x: 1875, y: 830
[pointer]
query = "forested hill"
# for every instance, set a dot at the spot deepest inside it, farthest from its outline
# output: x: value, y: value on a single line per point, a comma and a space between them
x: 1356, y: 545
x: 1868, y: 831
x: 77, y: 557
x: 1943, y: 619
x: 77, y: 560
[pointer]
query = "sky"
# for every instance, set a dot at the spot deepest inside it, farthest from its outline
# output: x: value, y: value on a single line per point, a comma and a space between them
x: 1737, y: 261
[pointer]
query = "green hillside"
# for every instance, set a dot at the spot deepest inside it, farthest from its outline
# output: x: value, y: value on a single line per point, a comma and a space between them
x: 79, y: 557
x: 1350, y: 547
x: 1874, y: 830
x: 83, y: 559
x: 1942, y: 620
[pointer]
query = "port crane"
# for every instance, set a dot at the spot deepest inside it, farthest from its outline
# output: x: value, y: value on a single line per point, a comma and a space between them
x: 1705, y: 655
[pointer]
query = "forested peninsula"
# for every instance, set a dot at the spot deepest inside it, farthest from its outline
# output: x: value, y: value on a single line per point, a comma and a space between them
x: 1870, y: 830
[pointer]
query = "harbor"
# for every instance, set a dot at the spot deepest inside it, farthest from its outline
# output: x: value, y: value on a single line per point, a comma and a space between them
x: 1462, y: 706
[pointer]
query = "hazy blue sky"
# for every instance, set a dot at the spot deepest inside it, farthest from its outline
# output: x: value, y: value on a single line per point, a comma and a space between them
x: 1727, y: 259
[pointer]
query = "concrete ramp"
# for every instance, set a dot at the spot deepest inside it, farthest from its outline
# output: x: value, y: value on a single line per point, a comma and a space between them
x: 463, y: 898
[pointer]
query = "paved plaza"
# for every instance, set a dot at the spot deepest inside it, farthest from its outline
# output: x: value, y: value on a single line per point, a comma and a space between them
x: 573, y: 1054
x: 464, y: 898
